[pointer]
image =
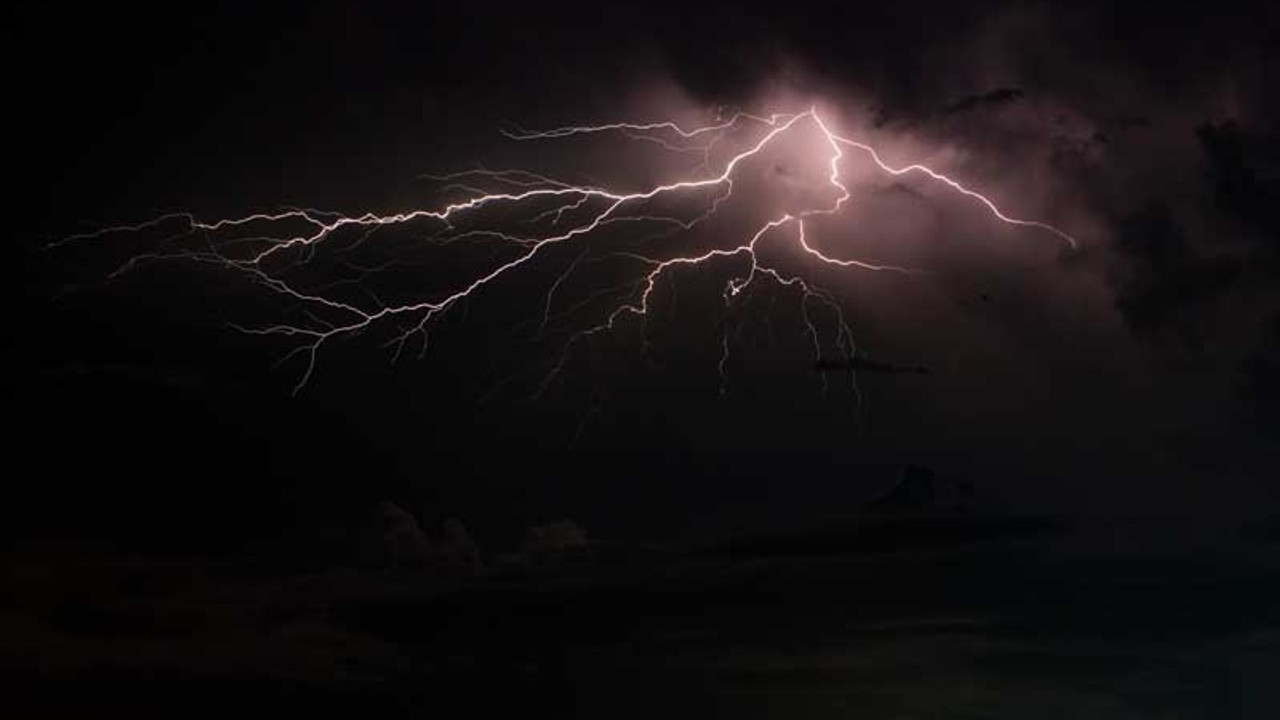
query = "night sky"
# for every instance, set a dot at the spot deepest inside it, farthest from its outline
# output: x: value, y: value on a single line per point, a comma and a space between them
x: 1133, y: 376
x: 1048, y: 487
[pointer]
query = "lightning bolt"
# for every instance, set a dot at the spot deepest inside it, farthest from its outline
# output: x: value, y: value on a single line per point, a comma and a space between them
x: 266, y: 248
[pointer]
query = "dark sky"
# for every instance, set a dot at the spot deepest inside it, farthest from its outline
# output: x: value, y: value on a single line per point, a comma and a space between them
x: 1137, y: 374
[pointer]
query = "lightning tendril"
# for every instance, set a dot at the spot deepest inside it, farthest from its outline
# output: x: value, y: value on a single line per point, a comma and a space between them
x: 260, y: 247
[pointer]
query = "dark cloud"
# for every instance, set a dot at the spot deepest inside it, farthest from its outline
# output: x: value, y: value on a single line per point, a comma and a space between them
x: 1165, y: 283
x: 410, y: 551
x: 920, y: 490
x: 1243, y: 173
x: 1081, y: 114
x: 988, y: 100
x: 1259, y: 381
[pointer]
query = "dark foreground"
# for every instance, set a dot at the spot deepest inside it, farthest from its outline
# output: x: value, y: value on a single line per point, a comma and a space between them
x: 1035, y: 627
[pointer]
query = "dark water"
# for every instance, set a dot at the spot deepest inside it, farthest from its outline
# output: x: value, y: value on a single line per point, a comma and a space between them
x: 1022, y: 629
